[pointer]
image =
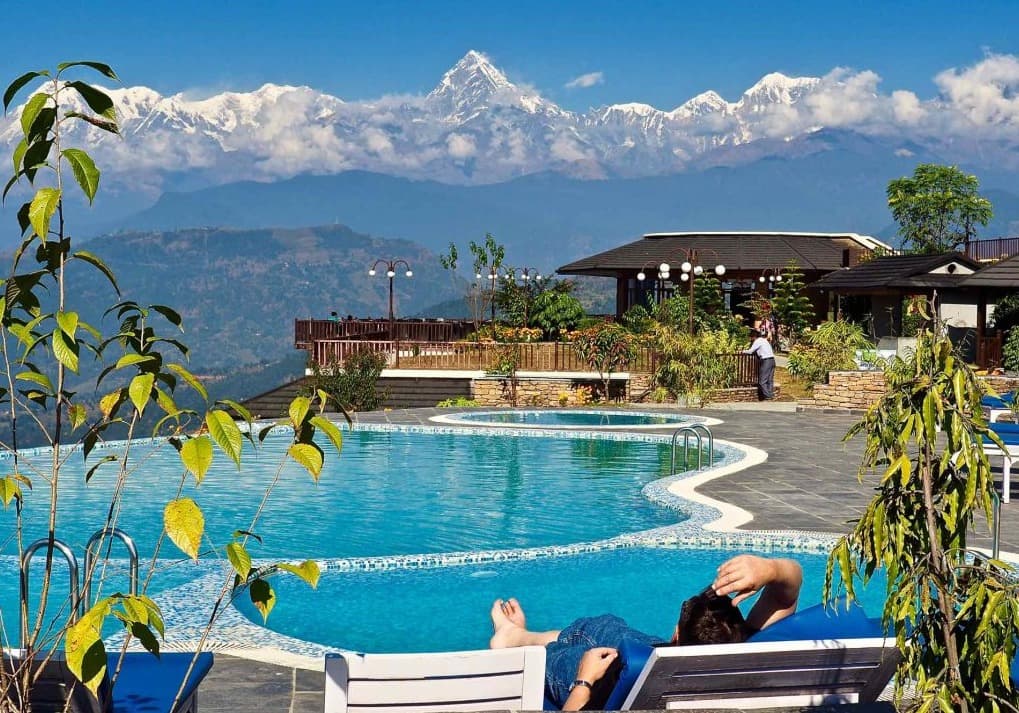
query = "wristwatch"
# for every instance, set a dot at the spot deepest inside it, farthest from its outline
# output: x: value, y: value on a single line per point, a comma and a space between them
x: 581, y: 682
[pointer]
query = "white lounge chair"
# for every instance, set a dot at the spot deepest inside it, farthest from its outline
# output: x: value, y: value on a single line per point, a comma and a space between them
x: 764, y: 674
x: 497, y: 679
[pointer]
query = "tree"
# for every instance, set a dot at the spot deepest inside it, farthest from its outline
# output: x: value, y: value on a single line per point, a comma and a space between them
x: 557, y: 311
x: 488, y: 258
x: 45, y: 344
x: 792, y: 309
x: 955, y: 614
x: 605, y: 348
x: 938, y: 208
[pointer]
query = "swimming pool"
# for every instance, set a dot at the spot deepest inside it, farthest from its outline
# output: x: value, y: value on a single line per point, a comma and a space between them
x: 600, y: 419
x: 447, y: 608
x: 392, y: 491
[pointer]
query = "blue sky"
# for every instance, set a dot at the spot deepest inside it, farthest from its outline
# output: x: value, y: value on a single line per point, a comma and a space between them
x: 656, y: 52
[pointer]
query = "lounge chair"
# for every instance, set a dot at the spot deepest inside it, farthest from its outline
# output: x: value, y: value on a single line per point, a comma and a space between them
x: 998, y: 406
x: 1009, y: 434
x: 816, y: 656
x: 497, y: 679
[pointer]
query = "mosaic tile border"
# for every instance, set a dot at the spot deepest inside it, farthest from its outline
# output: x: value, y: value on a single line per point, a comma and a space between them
x: 462, y: 418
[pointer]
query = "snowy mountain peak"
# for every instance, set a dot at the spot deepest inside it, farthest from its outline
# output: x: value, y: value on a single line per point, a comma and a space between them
x: 708, y: 102
x: 474, y: 85
x: 775, y: 88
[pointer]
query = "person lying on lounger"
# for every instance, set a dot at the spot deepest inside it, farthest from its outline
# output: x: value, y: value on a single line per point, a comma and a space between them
x: 578, y: 656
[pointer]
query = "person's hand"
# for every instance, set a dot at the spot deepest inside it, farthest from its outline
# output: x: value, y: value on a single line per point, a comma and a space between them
x: 744, y: 575
x: 595, y: 662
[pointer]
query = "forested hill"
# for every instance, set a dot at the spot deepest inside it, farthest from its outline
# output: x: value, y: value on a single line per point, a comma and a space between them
x: 239, y: 291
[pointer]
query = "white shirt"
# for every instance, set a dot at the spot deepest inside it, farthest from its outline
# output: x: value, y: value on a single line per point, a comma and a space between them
x: 762, y: 348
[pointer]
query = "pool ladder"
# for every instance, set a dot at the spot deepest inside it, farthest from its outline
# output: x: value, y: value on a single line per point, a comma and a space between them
x: 694, y: 430
x: 80, y: 596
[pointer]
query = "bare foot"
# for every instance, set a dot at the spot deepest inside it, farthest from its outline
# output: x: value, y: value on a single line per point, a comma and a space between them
x: 505, y: 618
x: 514, y: 612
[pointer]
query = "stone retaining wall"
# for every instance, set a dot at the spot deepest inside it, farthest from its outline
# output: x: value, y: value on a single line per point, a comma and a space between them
x: 861, y: 389
x: 498, y: 391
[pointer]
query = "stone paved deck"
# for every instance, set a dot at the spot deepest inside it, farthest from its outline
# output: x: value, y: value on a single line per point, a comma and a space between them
x: 808, y: 483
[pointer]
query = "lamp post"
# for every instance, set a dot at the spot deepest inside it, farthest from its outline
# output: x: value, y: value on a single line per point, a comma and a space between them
x: 528, y: 276
x: 663, y: 275
x: 390, y: 266
x: 691, y: 268
x: 769, y: 276
x: 493, y: 280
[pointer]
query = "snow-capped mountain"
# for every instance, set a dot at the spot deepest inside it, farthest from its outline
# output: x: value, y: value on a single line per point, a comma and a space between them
x: 475, y: 126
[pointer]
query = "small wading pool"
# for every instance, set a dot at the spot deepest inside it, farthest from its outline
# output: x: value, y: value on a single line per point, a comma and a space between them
x: 552, y: 418
x: 446, y: 608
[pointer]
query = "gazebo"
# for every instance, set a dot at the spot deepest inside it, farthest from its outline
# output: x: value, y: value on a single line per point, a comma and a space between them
x: 745, y: 256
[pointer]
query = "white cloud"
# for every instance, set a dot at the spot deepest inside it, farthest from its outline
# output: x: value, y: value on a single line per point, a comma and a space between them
x: 584, y: 81
x: 987, y: 94
x: 461, y: 146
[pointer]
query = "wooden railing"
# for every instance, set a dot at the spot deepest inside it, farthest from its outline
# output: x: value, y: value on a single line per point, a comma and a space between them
x: 309, y: 331
x: 483, y: 356
x: 989, y: 352
x: 992, y: 249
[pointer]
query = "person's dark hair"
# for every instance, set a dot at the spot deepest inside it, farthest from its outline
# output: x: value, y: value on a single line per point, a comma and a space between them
x: 755, y: 332
x: 707, y: 618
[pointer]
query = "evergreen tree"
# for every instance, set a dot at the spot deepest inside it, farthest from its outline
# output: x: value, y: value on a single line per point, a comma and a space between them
x: 793, y: 310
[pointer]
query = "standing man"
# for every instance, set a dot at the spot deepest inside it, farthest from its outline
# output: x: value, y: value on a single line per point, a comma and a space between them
x: 765, y: 366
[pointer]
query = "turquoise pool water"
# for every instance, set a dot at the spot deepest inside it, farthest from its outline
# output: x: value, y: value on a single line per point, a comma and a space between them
x: 572, y: 418
x: 389, y: 493
x: 446, y: 608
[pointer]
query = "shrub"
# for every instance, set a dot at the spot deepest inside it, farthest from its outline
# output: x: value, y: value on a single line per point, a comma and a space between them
x: 354, y: 386
x: 1010, y: 351
x: 605, y: 348
x: 458, y: 402
x: 556, y: 312
x: 691, y: 364
x: 830, y: 347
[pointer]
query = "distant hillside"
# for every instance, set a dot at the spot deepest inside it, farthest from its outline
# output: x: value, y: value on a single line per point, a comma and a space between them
x: 239, y: 291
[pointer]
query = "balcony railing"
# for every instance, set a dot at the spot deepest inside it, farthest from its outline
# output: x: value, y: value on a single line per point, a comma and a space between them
x: 992, y: 249
x: 484, y: 356
x: 309, y: 331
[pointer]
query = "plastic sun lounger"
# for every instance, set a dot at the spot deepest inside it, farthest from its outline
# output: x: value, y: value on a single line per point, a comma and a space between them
x: 997, y: 406
x: 146, y: 684
x: 818, y: 655
x: 1009, y: 434
x: 485, y: 680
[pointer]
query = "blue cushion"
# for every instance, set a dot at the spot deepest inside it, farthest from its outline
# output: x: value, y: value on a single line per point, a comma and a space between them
x: 1003, y: 401
x: 820, y: 622
x: 147, y: 684
x: 633, y: 655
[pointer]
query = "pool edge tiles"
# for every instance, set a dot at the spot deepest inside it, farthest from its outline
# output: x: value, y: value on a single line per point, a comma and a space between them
x: 464, y: 418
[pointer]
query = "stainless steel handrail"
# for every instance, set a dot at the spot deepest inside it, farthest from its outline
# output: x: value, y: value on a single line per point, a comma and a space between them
x: 72, y: 570
x: 687, y: 431
x: 711, y: 442
x: 91, y: 557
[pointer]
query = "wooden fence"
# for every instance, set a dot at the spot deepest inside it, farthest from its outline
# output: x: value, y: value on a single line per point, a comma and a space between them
x: 484, y: 356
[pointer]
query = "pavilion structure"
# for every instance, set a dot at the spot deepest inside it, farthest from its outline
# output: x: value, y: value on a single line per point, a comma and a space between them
x: 746, y: 258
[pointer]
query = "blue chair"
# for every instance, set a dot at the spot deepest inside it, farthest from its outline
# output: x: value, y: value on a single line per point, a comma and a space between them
x: 1009, y: 434
x: 998, y: 405
x: 147, y: 684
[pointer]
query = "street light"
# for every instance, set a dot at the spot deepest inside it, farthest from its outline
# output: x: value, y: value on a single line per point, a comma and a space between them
x: 390, y: 266
x: 493, y: 279
x: 690, y: 269
x: 528, y: 276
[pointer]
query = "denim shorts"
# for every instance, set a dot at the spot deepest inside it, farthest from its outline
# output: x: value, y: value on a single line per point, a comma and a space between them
x: 562, y: 656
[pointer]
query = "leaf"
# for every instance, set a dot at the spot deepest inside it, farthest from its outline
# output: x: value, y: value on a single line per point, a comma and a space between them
x: 140, y: 389
x: 109, y: 403
x: 247, y: 533
x: 68, y: 322
x: 35, y: 157
x: 172, y: 316
x: 225, y: 433
x: 85, y: 171
x: 86, y: 657
x: 17, y: 157
x: 298, y: 410
x: 36, y: 378
x: 145, y: 637
x: 308, y: 455
x: 329, y: 428
x: 307, y: 570
x: 189, y: 378
x: 9, y: 490
x: 65, y: 350
x: 239, y: 558
x: 31, y: 111
x: 99, y: 265
x: 14, y: 87
x: 97, y: 100
x: 237, y: 408
x: 262, y: 597
x: 41, y: 210
x: 131, y: 359
x: 196, y: 455
x: 93, y: 469
x: 103, y: 69
x: 184, y: 525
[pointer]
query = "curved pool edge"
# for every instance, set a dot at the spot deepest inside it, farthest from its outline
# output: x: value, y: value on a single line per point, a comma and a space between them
x: 456, y: 419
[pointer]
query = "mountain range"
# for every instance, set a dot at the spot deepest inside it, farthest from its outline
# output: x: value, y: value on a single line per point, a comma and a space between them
x: 476, y: 126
